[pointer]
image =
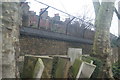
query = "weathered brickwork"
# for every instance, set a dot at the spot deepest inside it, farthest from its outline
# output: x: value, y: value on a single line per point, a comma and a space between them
x: 41, y: 46
x: 30, y: 45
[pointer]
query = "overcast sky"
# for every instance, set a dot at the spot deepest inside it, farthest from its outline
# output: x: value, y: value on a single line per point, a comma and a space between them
x: 73, y: 7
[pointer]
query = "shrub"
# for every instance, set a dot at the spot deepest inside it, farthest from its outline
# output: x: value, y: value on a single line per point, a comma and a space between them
x: 116, y: 70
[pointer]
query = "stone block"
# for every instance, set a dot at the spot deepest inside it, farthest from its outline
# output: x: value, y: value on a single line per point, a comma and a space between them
x: 39, y: 67
x: 33, y: 67
x: 74, y: 53
x: 86, y: 70
x: 48, y: 61
x: 81, y: 69
x: 75, y: 68
x: 61, y: 66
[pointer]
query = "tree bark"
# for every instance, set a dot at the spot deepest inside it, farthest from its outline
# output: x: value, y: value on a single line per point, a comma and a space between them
x: 10, y: 41
x: 119, y: 19
x: 0, y: 41
x: 119, y: 32
x: 101, y: 47
x: 96, y: 5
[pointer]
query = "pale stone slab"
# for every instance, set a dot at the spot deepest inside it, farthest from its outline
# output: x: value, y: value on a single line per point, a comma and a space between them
x: 47, y: 61
x: 48, y: 66
x: 74, y: 53
x: 39, y: 67
x: 86, y: 70
x: 33, y: 67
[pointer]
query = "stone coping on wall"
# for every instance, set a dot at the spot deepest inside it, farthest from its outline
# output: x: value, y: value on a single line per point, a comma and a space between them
x: 52, y: 35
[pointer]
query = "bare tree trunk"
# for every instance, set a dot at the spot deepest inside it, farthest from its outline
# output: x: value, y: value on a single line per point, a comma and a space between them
x: 119, y: 19
x: 102, y: 48
x: 10, y: 41
x: 0, y: 42
x: 96, y: 5
x: 119, y: 32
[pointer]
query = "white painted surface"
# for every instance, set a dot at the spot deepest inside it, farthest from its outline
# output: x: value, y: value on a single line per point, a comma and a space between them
x: 74, y: 53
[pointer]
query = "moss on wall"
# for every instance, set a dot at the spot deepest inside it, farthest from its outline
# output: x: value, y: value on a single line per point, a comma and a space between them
x: 60, y: 67
x: 48, y: 67
x: 29, y: 65
x: 75, y: 67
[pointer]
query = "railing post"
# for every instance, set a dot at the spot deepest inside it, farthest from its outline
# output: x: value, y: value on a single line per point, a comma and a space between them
x: 68, y: 24
x: 40, y: 16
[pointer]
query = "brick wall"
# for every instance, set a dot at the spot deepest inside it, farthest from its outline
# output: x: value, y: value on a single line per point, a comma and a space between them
x: 31, y: 45
x: 41, y: 46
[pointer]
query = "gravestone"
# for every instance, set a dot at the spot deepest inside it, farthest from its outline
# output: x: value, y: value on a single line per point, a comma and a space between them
x: 47, y: 61
x: 81, y: 69
x: 48, y: 66
x: 33, y: 67
x: 74, y: 53
x: 75, y: 68
x: 39, y: 67
x: 86, y: 70
x: 61, y: 66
